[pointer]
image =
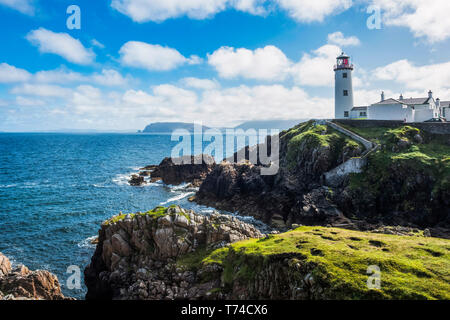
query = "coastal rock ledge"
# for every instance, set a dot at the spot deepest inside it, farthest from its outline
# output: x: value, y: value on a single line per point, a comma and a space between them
x: 172, y: 253
x: 137, y: 256
x: 20, y: 283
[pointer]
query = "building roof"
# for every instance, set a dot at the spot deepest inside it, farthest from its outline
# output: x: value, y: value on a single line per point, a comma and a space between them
x: 415, y: 101
x: 359, y: 108
x: 411, y: 101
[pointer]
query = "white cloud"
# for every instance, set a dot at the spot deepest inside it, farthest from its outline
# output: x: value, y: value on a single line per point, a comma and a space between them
x: 256, y: 7
x: 109, y: 77
x: 338, y: 39
x: 433, y: 76
x: 316, y: 69
x: 424, y: 18
x: 268, y: 63
x: 152, y: 57
x: 58, y: 76
x: 10, y: 74
x: 41, y: 90
x: 97, y: 44
x: 156, y: 10
x: 24, y: 6
x: 166, y: 102
x: 197, y: 83
x: 311, y: 11
x: 27, y: 102
x: 271, y: 64
x: 61, y: 44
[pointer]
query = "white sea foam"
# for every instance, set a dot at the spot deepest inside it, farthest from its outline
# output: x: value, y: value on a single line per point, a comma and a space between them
x: 87, y: 243
x: 5, y: 186
x: 122, y: 179
x: 178, y: 197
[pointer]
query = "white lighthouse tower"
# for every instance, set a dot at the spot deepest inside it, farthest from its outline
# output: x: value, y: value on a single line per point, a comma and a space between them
x: 343, y: 93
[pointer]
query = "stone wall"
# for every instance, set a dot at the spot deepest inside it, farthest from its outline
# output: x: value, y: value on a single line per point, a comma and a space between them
x: 433, y: 127
x: 430, y: 127
x: 354, y: 136
x: 369, y: 123
x: 335, y: 177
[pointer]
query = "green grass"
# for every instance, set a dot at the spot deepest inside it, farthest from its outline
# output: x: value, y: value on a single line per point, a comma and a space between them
x: 309, y: 136
x: 429, y: 157
x: 155, y: 214
x: 412, y: 267
x: 373, y: 134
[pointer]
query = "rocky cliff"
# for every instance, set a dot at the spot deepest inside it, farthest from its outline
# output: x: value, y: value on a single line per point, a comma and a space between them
x: 22, y: 284
x: 405, y: 182
x: 295, y: 194
x: 171, y: 253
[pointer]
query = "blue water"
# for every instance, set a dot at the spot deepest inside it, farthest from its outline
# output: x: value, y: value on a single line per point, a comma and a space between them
x: 56, y: 190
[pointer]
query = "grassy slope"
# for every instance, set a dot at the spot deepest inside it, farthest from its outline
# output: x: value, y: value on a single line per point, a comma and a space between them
x: 412, y: 267
x: 308, y: 135
x: 431, y: 157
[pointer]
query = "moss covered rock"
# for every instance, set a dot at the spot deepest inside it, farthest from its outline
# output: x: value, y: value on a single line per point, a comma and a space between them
x: 332, y: 263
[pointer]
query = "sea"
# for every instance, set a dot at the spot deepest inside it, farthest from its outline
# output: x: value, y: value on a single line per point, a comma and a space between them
x: 57, y: 188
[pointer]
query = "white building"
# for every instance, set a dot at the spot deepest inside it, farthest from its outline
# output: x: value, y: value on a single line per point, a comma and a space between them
x: 445, y: 109
x: 407, y: 110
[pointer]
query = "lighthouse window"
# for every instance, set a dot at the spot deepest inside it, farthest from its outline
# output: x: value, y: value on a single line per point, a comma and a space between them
x: 346, y: 114
x: 344, y: 75
x: 345, y: 93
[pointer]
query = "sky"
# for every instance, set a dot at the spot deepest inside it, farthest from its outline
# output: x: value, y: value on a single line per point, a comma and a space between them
x: 122, y: 64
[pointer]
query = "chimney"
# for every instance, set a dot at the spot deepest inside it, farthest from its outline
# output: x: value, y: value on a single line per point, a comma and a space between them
x: 401, y: 96
x: 382, y: 96
x: 438, y: 102
x: 430, y: 94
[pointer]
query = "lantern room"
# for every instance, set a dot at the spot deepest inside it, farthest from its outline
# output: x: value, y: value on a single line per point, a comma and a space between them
x: 343, y: 62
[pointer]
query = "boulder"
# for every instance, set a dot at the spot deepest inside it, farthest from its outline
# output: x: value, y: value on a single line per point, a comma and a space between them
x: 136, y: 180
x: 187, y: 169
x: 22, y: 284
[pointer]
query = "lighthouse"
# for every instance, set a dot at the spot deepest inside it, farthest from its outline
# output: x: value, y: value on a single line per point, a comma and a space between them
x: 343, y: 93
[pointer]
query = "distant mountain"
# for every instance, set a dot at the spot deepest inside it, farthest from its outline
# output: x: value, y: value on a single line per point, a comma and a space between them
x: 269, y: 124
x: 169, y: 127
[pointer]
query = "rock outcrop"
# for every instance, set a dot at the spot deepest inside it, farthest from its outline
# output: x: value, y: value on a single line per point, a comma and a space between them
x: 170, y: 253
x: 22, y: 284
x: 188, y: 169
x: 137, y: 180
x: 405, y: 181
x: 306, y: 153
x: 136, y: 257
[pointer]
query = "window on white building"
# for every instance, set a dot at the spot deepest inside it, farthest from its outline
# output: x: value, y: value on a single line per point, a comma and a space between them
x: 345, y: 93
x: 344, y: 75
x: 346, y: 114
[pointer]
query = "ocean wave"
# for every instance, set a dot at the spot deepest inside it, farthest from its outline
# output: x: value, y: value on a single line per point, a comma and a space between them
x: 25, y: 185
x: 122, y: 179
x: 178, y: 197
x: 5, y: 186
x: 87, y: 243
